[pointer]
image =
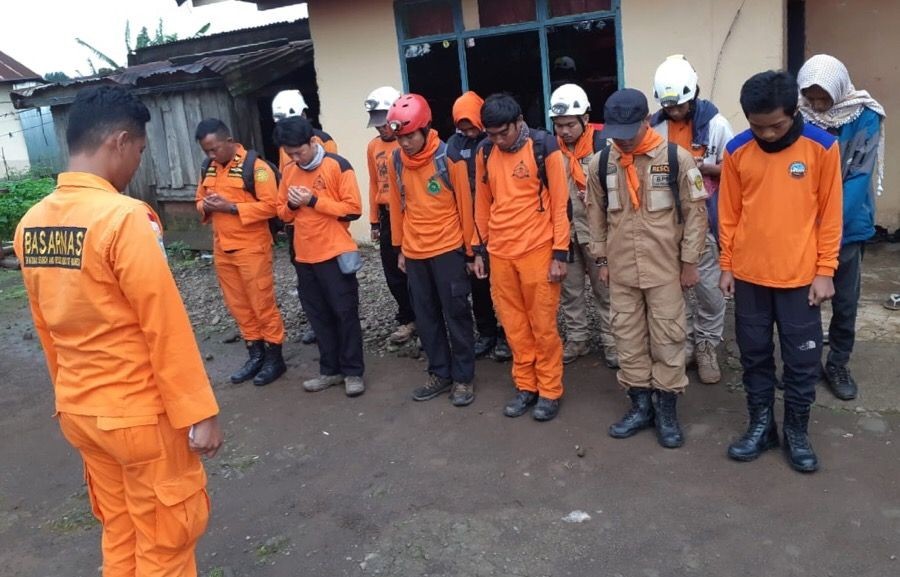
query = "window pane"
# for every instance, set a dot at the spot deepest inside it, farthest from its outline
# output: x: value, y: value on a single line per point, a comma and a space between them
x: 509, y: 63
x: 433, y: 71
x: 585, y: 54
x: 499, y: 12
x: 427, y: 18
x: 568, y: 7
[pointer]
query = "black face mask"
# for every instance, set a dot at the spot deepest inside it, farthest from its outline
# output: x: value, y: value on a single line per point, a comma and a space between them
x: 788, y: 139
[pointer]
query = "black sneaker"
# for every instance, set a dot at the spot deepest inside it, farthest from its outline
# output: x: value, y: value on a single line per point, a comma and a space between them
x: 520, y: 403
x: 840, y: 381
x: 502, y: 352
x: 432, y: 388
x: 462, y: 394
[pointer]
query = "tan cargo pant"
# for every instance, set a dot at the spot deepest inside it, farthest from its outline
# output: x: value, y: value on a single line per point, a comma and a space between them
x: 573, y: 301
x: 649, y: 327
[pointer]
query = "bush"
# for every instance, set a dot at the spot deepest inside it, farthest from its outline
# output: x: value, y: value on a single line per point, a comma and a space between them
x: 15, y: 202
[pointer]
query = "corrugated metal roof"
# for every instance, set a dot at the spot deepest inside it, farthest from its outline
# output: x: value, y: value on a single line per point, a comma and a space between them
x: 12, y: 70
x: 241, y: 73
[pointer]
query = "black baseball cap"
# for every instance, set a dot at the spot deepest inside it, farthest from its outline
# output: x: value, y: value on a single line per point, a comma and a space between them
x: 623, y: 113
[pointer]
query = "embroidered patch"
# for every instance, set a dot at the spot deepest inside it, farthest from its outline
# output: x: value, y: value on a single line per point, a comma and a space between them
x: 434, y: 186
x: 157, y: 230
x: 659, y: 180
x: 659, y: 169
x: 698, y: 189
x: 319, y: 184
x: 797, y: 169
x: 521, y: 171
x: 611, y: 168
x: 260, y: 175
x: 53, y: 246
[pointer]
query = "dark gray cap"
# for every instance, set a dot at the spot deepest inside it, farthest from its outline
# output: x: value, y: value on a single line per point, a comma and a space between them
x: 623, y: 113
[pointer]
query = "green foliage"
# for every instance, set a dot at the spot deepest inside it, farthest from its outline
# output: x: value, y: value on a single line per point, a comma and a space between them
x: 179, y: 250
x: 112, y: 63
x: 159, y: 37
x: 21, y: 196
x: 58, y: 76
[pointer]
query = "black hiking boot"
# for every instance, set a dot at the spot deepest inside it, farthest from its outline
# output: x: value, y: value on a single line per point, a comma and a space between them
x: 273, y: 366
x: 518, y: 406
x: 639, y: 416
x: 256, y: 350
x: 796, y: 439
x: 761, y: 435
x: 668, y: 431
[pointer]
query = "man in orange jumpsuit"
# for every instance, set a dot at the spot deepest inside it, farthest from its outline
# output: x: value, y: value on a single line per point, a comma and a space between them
x: 242, y: 247
x: 521, y: 222
x: 131, y: 390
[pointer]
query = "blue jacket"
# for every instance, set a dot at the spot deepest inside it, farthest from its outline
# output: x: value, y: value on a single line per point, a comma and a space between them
x: 858, y: 142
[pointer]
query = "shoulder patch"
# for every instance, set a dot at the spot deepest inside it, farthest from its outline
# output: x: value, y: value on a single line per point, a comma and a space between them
x: 698, y: 190
x: 817, y: 135
x: 261, y: 175
x: 53, y: 246
x: 739, y: 141
x: 341, y: 161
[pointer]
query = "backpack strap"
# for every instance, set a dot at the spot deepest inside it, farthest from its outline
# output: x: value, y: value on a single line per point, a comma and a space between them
x: 204, y: 168
x: 539, y: 148
x: 673, y: 179
x: 602, y: 169
x: 486, y: 150
x: 247, y: 172
x: 440, y: 166
x: 398, y: 168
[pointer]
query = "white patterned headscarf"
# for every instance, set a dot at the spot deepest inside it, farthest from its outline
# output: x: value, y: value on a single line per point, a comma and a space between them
x: 830, y: 73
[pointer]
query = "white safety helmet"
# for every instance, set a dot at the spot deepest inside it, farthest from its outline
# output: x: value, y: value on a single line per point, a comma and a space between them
x: 569, y: 100
x: 675, y: 81
x: 288, y: 103
x: 378, y: 102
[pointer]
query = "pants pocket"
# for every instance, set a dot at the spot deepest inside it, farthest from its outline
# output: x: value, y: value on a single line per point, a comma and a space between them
x: 182, y: 510
x: 669, y: 331
x: 92, y: 497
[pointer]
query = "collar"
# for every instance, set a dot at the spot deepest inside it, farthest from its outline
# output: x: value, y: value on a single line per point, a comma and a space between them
x: 614, y: 152
x: 84, y: 180
x: 785, y: 141
x: 239, y: 153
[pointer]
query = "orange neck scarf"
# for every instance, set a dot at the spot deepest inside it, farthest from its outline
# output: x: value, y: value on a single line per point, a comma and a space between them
x: 583, y: 147
x: 424, y: 156
x: 652, y: 139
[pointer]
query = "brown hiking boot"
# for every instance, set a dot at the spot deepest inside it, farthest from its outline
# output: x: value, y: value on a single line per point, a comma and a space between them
x: 708, y: 363
x: 403, y: 333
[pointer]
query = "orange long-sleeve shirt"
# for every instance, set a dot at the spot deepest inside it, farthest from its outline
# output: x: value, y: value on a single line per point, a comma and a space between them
x: 321, y: 229
x: 780, y: 213
x: 378, y: 155
x: 435, y: 220
x: 115, y: 333
x: 507, y: 216
x: 250, y: 226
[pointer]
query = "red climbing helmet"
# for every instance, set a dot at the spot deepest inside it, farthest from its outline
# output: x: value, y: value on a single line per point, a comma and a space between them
x: 409, y: 113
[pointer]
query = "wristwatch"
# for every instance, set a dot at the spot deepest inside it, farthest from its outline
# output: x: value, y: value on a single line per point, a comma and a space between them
x: 233, y: 209
x: 601, y: 262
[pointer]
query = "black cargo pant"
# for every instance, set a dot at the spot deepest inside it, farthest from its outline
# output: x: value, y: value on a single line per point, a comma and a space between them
x: 757, y: 310
x: 439, y: 291
x: 396, y: 278
x: 842, y: 329
x: 483, y: 307
x: 330, y: 299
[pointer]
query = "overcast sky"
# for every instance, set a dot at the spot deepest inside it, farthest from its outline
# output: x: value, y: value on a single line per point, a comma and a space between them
x: 41, y: 33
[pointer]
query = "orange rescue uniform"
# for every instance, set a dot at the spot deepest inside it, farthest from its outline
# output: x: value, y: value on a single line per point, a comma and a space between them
x: 378, y: 156
x: 242, y: 246
x: 772, y: 238
x: 125, y: 368
x: 319, y: 137
x: 521, y: 240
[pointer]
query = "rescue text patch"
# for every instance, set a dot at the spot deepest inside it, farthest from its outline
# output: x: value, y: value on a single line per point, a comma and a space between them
x: 53, y: 246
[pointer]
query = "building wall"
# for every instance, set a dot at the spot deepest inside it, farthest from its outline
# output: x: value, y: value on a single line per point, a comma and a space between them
x: 699, y: 29
x: 13, y: 152
x: 862, y: 34
x: 356, y: 51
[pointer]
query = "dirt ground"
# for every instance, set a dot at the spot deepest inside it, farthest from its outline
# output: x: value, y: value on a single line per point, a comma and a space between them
x: 321, y: 485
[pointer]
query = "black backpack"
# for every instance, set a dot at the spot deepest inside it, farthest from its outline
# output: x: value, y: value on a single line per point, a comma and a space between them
x: 538, y: 147
x: 672, y: 177
x: 247, y: 175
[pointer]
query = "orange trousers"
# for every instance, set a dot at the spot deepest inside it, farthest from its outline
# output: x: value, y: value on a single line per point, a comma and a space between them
x: 147, y: 489
x: 248, y: 287
x: 527, y: 303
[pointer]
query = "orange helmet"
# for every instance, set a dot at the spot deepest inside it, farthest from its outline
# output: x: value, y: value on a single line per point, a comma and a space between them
x: 409, y: 113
